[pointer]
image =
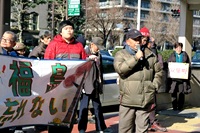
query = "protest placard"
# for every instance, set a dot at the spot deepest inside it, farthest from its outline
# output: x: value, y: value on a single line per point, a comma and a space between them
x: 178, y: 70
x: 40, y: 91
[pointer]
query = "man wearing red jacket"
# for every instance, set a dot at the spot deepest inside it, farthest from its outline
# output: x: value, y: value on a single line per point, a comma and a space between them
x: 64, y: 45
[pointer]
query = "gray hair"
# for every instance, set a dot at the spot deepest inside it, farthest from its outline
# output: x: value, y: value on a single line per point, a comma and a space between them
x: 14, y: 36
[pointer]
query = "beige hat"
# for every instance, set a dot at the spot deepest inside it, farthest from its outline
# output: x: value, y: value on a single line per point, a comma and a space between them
x: 19, y: 46
x: 98, y: 41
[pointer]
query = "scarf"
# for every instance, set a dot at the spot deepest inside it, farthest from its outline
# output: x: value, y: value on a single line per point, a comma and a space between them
x: 130, y: 50
x: 179, y: 57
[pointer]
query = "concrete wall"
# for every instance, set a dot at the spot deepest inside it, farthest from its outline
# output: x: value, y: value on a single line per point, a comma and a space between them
x: 194, y: 98
x: 164, y: 99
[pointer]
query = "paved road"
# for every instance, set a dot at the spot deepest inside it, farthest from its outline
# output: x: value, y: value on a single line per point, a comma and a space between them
x: 186, y: 121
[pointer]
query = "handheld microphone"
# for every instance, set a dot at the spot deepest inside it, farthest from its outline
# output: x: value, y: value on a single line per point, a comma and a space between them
x: 139, y: 49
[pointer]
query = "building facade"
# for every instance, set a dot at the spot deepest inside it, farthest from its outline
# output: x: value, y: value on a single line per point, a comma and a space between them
x: 129, y: 19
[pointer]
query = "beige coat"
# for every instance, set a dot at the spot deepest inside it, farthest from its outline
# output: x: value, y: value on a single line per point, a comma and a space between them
x: 138, y: 79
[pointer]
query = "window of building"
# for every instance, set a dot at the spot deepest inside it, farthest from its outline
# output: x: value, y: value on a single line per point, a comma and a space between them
x: 196, y: 21
x: 144, y: 15
x: 131, y: 2
x: 33, y: 21
x: 196, y: 13
x: 166, y: 7
x: 145, y: 4
x: 129, y: 14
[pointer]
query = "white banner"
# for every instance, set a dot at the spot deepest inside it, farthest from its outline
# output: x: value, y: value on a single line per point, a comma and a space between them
x: 40, y: 91
x: 178, y: 70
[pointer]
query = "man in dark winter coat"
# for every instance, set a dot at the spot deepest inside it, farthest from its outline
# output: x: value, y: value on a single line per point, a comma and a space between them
x: 38, y: 51
x: 140, y: 75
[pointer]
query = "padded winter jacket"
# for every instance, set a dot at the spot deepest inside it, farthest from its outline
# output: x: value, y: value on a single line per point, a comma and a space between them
x: 38, y: 51
x: 139, y: 79
x: 12, y: 52
x: 58, y: 48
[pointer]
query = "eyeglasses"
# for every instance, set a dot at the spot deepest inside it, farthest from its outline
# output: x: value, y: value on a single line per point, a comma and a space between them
x: 6, y: 40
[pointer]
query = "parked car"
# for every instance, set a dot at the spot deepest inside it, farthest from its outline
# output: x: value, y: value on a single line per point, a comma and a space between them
x: 105, y: 52
x: 195, y: 62
x: 110, y: 94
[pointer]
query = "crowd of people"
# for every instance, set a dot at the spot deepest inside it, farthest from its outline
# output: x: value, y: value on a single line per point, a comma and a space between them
x: 138, y: 64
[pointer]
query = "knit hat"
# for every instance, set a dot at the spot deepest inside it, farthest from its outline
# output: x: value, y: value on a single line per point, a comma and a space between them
x: 145, y: 31
x: 133, y: 34
x: 98, y: 41
x: 19, y: 46
x: 44, y: 33
x: 81, y: 39
x: 63, y: 24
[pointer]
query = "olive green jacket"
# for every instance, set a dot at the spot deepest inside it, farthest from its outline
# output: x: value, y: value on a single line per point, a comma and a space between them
x: 139, y: 79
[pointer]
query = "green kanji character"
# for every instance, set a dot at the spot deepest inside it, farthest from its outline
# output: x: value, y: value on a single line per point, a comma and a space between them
x: 58, y: 72
x: 21, y: 80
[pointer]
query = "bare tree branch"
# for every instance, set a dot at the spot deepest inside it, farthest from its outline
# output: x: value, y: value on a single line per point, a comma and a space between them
x: 163, y: 26
x: 102, y: 20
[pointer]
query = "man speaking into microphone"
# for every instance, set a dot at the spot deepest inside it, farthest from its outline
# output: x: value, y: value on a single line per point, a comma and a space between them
x: 140, y: 74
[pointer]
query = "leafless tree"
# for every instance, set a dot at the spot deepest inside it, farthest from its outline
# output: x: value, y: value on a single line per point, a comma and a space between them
x: 155, y: 22
x: 102, y: 21
x: 172, y: 26
x: 163, y: 26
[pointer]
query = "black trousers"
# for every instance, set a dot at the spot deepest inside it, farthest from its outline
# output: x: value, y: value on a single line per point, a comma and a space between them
x: 6, y: 130
x: 178, y: 98
x: 83, y: 112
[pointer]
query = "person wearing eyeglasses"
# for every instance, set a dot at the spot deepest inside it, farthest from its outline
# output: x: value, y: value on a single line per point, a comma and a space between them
x: 140, y: 75
x: 7, y: 42
x: 44, y: 40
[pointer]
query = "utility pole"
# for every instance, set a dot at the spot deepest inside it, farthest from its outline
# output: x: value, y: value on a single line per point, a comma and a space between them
x: 85, y: 18
x: 138, y: 14
x: 5, y: 6
x: 66, y: 9
x: 52, y: 21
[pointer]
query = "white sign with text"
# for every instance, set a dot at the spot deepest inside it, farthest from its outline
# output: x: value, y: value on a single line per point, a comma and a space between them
x: 178, y: 70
